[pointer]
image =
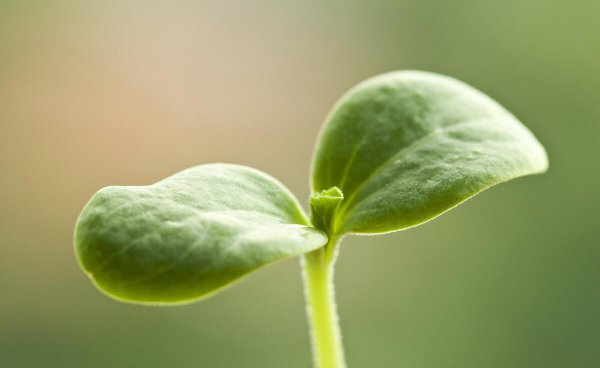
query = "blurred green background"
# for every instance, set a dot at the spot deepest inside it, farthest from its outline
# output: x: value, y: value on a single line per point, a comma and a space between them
x: 95, y: 93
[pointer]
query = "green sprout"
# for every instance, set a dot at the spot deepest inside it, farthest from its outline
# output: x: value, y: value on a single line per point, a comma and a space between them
x: 396, y: 151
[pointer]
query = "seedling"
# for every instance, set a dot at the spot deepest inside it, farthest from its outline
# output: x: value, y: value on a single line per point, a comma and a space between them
x: 396, y: 151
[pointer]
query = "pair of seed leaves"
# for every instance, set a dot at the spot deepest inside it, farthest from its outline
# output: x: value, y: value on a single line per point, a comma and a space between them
x: 397, y: 150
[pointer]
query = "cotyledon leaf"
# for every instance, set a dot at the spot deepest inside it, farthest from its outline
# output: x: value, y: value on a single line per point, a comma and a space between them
x: 190, y: 234
x: 406, y: 146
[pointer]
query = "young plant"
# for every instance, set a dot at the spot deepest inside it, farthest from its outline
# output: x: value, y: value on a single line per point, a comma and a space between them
x: 396, y: 151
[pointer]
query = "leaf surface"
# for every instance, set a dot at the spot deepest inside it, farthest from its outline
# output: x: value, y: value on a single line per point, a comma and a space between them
x: 407, y: 146
x: 189, y: 235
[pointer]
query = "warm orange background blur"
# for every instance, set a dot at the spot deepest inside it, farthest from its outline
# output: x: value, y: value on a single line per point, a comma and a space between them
x: 96, y: 93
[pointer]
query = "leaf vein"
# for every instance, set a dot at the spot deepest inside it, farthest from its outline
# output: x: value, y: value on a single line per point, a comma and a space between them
x: 346, y: 207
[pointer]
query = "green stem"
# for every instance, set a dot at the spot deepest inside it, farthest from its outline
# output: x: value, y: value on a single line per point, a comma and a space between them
x: 322, y: 314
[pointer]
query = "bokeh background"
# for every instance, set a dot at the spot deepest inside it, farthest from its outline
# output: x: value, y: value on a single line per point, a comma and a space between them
x: 95, y: 93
